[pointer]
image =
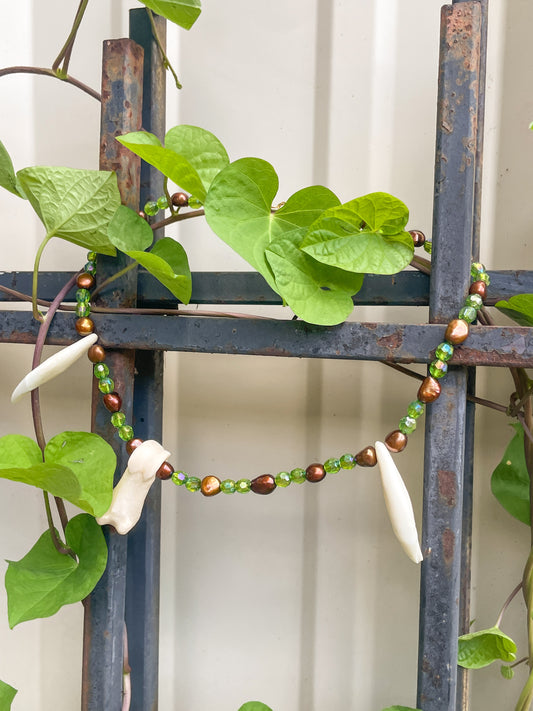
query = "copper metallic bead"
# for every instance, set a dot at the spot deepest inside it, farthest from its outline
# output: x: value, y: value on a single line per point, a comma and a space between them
x: 210, y: 486
x: 96, y: 354
x: 264, y: 484
x: 180, y: 199
x: 479, y: 288
x: 396, y: 441
x: 84, y: 326
x: 366, y: 457
x: 457, y: 331
x: 165, y: 471
x: 418, y: 237
x: 429, y: 391
x: 132, y: 444
x: 315, y: 473
x: 112, y: 401
x: 141, y: 214
x: 85, y: 281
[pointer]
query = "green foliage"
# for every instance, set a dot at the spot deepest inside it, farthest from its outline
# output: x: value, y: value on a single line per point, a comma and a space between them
x: 510, y: 479
x: 182, y: 12
x: 128, y: 230
x: 7, y: 694
x: 44, y: 580
x: 254, y: 706
x: 519, y: 308
x: 75, y: 205
x: 8, y: 179
x: 167, y: 262
x: 400, y: 708
x: 506, y: 671
x: 479, y: 649
x: 202, y: 149
x: 78, y: 467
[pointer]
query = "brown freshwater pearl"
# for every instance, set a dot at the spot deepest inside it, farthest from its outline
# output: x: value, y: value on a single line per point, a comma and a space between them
x: 264, y: 484
x: 429, y: 391
x: 479, y: 288
x: 457, y: 331
x: 179, y: 199
x: 132, y: 444
x: 418, y: 237
x: 112, y: 401
x: 366, y: 457
x: 210, y: 486
x: 84, y: 326
x: 396, y: 441
x: 96, y: 354
x: 85, y: 281
x: 165, y: 471
x: 315, y: 473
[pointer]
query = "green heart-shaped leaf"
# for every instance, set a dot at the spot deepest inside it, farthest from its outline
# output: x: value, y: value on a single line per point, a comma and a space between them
x: 7, y: 694
x: 168, y: 263
x: 128, y: 230
x: 75, y: 205
x: 519, y: 308
x: 202, y: 149
x: 8, y: 179
x: 479, y: 649
x: 44, y: 580
x: 182, y: 12
x: 254, y: 706
x: 510, y: 480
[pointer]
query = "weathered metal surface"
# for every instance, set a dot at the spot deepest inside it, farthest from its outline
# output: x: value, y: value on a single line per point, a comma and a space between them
x: 457, y: 115
x: 104, y: 614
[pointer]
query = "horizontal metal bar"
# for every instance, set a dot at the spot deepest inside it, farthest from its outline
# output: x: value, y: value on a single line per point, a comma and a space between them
x: 409, y: 288
x: 402, y: 343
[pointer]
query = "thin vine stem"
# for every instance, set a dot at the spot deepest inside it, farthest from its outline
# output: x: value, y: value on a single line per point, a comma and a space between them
x: 44, y: 71
x: 177, y: 218
x: 166, y: 61
x: 58, y: 545
x: 506, y: 604
x: 66, y: 50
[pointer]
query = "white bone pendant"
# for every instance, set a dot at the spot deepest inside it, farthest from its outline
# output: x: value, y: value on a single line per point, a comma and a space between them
x: 398, y: 503
x: 131, y: 491
x: 55, y: 365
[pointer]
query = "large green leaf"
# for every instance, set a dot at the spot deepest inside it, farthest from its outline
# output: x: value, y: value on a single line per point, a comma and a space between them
x: 75, y: 205
x: 365, y: 235
x: 202, y: 149
x: 7, y: 694
x: 510, y: 479
x: 519, y: 308
x: 183, y: 12
x: 128, y: 230
x: 174, y: 166
x: 8, y: 179
x: 254, y: 706
x: 168, y: 263
x: 479, y: 649
x: 44, y: 580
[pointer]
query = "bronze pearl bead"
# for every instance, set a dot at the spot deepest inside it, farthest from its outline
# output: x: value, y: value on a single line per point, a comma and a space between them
x: 132, y: 444
x: 96, y: 354
x: 315, y: 473
x: 457, y: 331
x: 85, y: 281
x: 429, y: 391
x: 165, y: 471
x: 264, y: 484
x: 210, y: 486
x: 418, y: 237
x: 84, y: 326
x: 366, y: 457
x: 180, y: 199
x: 112, y: 401
x: 479, y: 288
x: 396, y: 441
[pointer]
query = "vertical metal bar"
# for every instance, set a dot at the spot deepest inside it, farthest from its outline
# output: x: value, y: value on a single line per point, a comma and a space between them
x: 104, y: 611
x: 144, y: 542
x: 445, y: 424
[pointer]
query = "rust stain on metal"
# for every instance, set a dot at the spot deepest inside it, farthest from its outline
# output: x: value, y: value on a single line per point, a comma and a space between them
x: 391, y: 343
x: 448, y: 546
x: 463, y: 22
x: 447, y: 487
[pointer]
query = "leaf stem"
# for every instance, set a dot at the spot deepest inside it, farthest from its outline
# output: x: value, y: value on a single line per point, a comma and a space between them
x: 44, y: 71
x: 166, y: 61
x: 113, y: 278
x: 526, y: 697
x: 58, y: 545
x: 36, y: 313
x: 177, y: 218
x: 507, y: 603
x: 66, y: 50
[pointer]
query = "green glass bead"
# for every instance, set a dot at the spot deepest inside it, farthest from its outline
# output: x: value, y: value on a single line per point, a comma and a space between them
x: 90, y: 268
x: 91, y: 256
x: 474, y: 300
x: 298, y: 476
x: 444, y: 351
x: 83, y: 295
x: 427, y: 246
x: 438, y: 368
x: 415, y: 409
x: 347, y: 461
x: 227, y: 486
x: 179, y: 478
x: 193, y: 483
x: 468, y: 314
x: 100, y: 371
x: 407, y: 425
x: 150, y: 208
x: 283, y: 479
x: 162, y: 203
x: 118, y: 419
x: 332, y: 466
x: 194, y: 203
x: 83, y: 309
x: 106, y: 386
x: 243, y: 486
x: 126, y: 432
x: 484, y: 277
x: 476, y: 270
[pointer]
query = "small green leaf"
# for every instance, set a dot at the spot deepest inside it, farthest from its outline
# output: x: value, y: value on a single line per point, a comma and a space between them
x: 168, y: 263
x: 75, y: 205
x: 182, y: 12
x: 8, y: 179
x: 519, y: 308
x: 254, y: 706
x: 44, y: 580
x: 128, y: 230
x: 7, y: 694
x: 171, y: 164
x: 202, y: 149
x: 510, y: 480
x: 506, y: 671
x: 479, y: 649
